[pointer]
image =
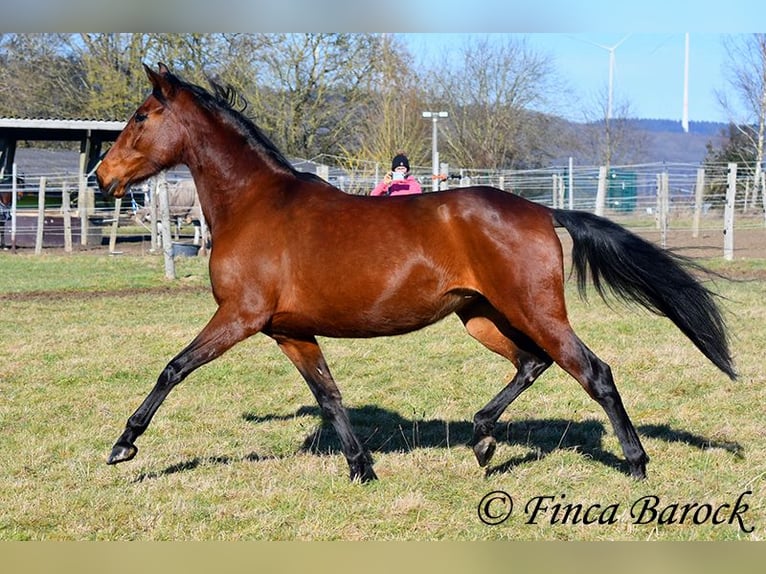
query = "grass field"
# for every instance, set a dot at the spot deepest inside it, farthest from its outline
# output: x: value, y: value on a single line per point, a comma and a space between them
x: 238, y: 451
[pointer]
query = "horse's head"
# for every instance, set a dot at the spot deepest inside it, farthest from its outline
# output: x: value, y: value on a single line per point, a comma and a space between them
x: 151, y: 141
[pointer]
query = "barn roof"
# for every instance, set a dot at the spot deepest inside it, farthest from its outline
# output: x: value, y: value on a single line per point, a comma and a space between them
x: 90, y: 133
x: 49, y: 129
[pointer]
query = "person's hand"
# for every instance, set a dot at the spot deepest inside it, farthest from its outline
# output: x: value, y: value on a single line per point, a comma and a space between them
x: 388, y: 178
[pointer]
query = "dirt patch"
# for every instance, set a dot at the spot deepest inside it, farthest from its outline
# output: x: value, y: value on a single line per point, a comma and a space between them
x: 70, y: 294
x: 749, y: 243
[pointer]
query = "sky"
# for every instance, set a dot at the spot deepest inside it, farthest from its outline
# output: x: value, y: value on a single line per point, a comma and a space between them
x: 648, y: 69
x: 649, y: 64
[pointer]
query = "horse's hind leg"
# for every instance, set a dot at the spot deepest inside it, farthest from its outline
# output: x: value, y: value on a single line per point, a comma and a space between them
x: 595, y: 376
x: 493, y: 331
x: 220, y: 334
x: 308, y: 359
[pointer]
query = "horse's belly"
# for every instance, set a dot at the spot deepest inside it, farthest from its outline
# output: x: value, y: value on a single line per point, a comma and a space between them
x: 392, y: 317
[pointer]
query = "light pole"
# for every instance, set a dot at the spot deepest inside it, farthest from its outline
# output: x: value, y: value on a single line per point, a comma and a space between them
x: 435, y: 149
x: 685, y: 116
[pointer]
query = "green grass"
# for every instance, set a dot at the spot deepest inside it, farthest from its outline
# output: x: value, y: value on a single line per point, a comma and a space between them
x: 238, y: 451
x: 88, y: 273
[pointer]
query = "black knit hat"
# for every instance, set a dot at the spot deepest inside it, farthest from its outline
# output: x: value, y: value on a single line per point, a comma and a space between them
x: 399, y: 160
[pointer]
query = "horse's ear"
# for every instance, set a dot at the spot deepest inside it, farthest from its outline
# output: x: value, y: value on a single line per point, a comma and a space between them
x: 163, y: 88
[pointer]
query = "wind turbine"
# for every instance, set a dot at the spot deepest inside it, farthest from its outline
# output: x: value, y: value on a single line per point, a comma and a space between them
x: 611, y: 50
x: 601, y: 192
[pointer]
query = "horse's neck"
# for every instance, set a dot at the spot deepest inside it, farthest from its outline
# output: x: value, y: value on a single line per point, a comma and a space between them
x: 228, y: 178
x: 229, y: 168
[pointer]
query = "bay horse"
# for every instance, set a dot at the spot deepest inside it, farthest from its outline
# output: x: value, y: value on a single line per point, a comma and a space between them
x: 294, y: 258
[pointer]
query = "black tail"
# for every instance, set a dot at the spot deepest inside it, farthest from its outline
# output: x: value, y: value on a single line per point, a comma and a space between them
x: 634, y: 269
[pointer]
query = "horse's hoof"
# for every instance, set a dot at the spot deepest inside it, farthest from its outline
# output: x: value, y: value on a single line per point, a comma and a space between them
x: 484, y: 450
x: 362, y: 473
x: 121, y: 453
x: 368, y: 476
x: 638, y: 471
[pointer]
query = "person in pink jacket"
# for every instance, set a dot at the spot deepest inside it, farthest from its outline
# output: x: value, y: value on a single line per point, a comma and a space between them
x: 398, y: 181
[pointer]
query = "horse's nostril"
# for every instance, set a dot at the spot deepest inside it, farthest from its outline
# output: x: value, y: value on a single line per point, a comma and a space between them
x: 112, y: 187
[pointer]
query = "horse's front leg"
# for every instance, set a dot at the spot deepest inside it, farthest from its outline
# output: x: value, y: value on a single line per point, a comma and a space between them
x: 221, y: 333
x: 308, y: 359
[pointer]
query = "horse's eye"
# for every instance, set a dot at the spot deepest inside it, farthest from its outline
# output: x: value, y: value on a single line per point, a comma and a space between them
x: 140, y: 117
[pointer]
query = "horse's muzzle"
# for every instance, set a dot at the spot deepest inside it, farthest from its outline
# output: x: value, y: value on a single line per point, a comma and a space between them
x: 110, y: 189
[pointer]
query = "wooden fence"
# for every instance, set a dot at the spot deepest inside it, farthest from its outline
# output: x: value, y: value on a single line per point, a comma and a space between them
x: 659, y: 199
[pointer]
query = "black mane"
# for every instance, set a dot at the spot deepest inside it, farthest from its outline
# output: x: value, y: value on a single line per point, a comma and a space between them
x: 223, y: 99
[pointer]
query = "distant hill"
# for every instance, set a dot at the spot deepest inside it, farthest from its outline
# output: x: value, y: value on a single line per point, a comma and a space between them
x: 666, y: 140
x: 654, y: 141
x: 673, y: 126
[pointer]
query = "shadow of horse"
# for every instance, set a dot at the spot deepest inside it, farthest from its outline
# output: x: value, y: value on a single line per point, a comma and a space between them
x: 384, y: 430
x: 387, y: 431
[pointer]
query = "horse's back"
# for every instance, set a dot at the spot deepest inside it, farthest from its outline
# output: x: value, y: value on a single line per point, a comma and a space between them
x: 320, y: 227
x: 465, y: 221
x: 472, y: 206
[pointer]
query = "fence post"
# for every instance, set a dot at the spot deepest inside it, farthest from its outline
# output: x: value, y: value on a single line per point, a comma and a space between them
x: 555, y: 194
x: 763, y: 195
x: 82, y: 207
x: 203, y: 231
x: 167, y: 240
x: 14, y: 205
x: 115, y: 225
x: 698, y: 194
x: 601, y: 190
x: 747, y: 195
x: 153, y: 215
x: 758, y: 179
x: 728, y: 213
x: 66, y: 211
x: 40, y: 217
x: 663, y: 207
x: 571, y: 183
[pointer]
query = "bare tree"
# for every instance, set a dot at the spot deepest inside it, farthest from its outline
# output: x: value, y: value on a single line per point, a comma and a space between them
x: 493, y: 91
x: 746, y: 76
x: 114, y: 81
x: 194, y: 56
x: 39, y: 77
x: 611, y: 138
x: 308, y: 88
x: 390, y: 111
